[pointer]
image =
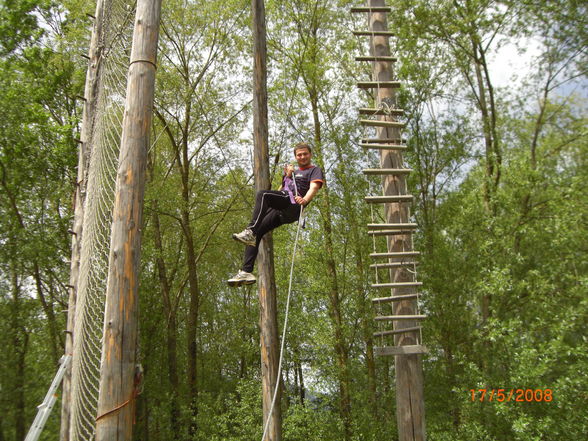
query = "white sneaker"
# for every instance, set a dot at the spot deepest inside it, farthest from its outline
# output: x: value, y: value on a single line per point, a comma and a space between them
x: 242, y: 278
x: 246, y: 236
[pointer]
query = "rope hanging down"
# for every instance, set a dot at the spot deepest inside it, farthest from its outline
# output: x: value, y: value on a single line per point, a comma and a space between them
x: 275, y: 394
x: 269, y: 416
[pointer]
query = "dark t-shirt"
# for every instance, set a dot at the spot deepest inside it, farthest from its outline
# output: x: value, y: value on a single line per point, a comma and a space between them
x: 305, y: 176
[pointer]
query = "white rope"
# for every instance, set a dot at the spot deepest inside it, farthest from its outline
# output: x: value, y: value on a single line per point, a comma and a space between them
x: 269, y: 415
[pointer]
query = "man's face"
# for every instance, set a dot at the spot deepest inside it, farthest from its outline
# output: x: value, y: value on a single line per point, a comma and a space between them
x: 303, y: 157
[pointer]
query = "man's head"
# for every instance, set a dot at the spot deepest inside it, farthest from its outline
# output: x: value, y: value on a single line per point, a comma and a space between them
x: 303, y: 154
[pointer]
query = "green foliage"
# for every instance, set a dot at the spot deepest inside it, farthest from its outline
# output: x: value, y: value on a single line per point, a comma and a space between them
x: 38, y: 86
x: 504, y: 287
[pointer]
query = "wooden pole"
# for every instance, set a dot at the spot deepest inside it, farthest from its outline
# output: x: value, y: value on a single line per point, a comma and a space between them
x: 268, y: 320
x: 116, y: 401
x: 88, y: 117
x: 410, y: 408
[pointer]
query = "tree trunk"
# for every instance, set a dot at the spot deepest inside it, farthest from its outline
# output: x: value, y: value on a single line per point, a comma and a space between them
x: 143, y: 417
x: 268, y: 320
x: 2, y: 438
x: 169, y: 311
x: 410, y: 412
x: 334, y: 297
x: 172, y: 366
x: 49, y: 313
x: 19, y: 397
x: 194, y: 290
x: 365, y: 310
x: 19, y: 343
x: 301, y: 388
x: 192, y: 334
x: 118, y: 386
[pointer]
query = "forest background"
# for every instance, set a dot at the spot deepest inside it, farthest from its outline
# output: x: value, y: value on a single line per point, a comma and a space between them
x: 499, y: 177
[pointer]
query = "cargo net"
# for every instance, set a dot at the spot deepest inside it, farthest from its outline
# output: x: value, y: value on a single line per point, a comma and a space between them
x: 115, y: 19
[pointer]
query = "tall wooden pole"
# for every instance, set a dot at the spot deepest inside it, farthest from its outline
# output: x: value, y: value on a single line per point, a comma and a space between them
x: 88, y: 119
x: 410, y: 408
x: 117, y: 393
x: 268, y: 320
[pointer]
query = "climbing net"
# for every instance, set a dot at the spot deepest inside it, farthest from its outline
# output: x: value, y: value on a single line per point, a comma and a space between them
x: 115, y: 19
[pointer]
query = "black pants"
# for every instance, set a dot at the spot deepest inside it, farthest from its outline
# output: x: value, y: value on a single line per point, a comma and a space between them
x: 272, y: 209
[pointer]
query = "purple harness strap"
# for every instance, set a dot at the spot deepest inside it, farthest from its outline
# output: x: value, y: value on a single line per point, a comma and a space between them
x: 289, y: 187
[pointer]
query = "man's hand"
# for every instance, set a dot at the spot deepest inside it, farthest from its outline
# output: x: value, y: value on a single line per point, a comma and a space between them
x: 288, y: 169
x: 314, y: 187
x: 301, y: 201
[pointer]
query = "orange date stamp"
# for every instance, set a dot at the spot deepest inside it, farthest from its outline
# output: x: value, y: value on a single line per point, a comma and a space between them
x: 516, y: 395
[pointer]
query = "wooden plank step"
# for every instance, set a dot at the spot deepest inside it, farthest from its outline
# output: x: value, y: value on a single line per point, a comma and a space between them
x: 374, y: 111
x: 382, y: 318
x: 374, y: 33
x: 395, y: 298
x: 380, y: 123
x: 400, y: 350
x: 397, y: 331
x: 378, y: 84
x: 387, y: 171
x: 383, y: 141
x: 396, y: 285
x: 393, y: 265
x: 379, y: 58
x: 389, y: 232
x: 371, y: 9
x: 383, y: 146
x: 388, y: 199
x: 398, y: 254
x: 392, y: 226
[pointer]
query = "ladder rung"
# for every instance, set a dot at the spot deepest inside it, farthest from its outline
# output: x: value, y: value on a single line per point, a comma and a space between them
x: 374, y: 111
x: 400, y: 350
x: 392, y: 226
x: 389, y: 232
x: 396, y: 284
x: 397, y: 331
x: 381, y: 318
x: 393, y: 264
x: 371, y: 9
x: 395, y: 298
x: 388, y: 199
x: 383, y: 146
x: 383, y: 141
x: 387, y: 171
x: 398, y: 254
x: 374, y: 33
x: 378, y: 84
x: 380, y: 58
x: 380, y: 123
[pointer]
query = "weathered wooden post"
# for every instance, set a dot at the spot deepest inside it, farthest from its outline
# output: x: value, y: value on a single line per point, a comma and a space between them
x: 90, y: 98
x: 118, y: 389
x: 410, y: 409
x: 268, y: 320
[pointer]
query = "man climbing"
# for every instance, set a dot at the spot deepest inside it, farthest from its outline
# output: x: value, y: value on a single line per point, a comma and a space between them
x: 274, y: 208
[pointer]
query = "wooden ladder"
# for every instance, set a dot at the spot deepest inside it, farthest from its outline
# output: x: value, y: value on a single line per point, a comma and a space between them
x: 403, y: 301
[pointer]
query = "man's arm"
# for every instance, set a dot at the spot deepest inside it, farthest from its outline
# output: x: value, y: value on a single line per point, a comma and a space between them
x: 310, y: 194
